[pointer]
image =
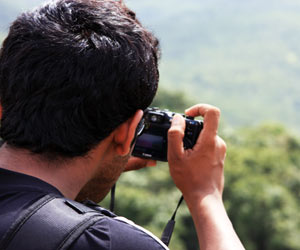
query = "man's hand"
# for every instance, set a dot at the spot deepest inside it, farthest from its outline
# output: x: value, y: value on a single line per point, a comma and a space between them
x: 136, y: 163
x: 197, y: 172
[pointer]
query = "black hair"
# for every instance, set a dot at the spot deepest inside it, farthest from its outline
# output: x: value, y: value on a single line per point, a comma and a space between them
x: 71, y: 72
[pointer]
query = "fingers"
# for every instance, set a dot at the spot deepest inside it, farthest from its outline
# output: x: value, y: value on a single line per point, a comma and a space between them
x: 136, y: 163
x: 175, y: 137
x: 210, y: 114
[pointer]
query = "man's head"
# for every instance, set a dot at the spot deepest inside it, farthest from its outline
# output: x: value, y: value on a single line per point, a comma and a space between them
x: 71, y: 72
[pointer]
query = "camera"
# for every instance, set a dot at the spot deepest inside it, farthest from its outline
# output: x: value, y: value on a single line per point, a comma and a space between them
x: 152, y: 134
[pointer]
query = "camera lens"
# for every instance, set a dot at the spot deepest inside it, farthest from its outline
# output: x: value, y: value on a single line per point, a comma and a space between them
x: 154, y: 118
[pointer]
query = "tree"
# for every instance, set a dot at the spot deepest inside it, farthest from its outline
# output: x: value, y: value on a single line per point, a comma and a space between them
x: 262, y: 187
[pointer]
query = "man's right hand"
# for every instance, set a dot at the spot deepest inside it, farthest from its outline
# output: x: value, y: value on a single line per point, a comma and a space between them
x: 197, y: 172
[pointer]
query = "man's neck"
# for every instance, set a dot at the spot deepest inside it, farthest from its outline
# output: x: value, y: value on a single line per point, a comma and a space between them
x: 67, y: 176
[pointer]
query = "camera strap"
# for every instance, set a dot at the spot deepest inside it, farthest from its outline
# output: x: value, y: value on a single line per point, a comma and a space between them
x: 168, y: 231
x: 112, y: 198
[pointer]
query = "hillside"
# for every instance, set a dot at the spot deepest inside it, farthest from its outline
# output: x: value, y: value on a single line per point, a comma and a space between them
x: 240, y: 55
x: 243, y: 56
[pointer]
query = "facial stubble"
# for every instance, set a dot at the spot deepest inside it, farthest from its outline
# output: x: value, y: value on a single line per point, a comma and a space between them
x: 104, y: 179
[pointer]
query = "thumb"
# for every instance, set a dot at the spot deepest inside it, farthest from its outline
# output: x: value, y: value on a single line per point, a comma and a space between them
x: 175, y: 137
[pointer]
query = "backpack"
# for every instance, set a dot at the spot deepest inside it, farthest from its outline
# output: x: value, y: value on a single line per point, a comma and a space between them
x: 52, y: 217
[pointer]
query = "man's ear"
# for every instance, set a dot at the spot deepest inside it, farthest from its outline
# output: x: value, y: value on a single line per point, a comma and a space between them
x: 124, y: 134
x: 0, y: 111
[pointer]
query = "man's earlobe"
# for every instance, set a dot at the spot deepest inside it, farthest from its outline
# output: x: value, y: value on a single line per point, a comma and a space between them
x: 124, y: 134
x: 120, y: 138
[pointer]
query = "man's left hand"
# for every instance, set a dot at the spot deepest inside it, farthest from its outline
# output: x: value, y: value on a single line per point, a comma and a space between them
x: 136, y: 163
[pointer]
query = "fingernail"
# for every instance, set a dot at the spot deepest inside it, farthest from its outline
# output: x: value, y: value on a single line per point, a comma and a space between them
x: 176, y: 120
x: 187, y: 110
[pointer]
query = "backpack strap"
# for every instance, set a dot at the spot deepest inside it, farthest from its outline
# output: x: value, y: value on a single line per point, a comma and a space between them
x: 50, y: 223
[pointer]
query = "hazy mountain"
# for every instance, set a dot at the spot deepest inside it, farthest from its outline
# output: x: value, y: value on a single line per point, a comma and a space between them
x: 243, y: 56
x: 240, y: 55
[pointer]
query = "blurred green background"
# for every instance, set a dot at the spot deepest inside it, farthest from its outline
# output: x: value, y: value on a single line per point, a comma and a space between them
x: 244, y: 57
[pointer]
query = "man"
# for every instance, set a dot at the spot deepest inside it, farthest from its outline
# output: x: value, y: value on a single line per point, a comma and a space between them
x: 75, y: 76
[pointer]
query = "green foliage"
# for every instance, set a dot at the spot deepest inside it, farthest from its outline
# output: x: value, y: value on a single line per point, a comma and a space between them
x: 262, y: 192
x: 173, y: 100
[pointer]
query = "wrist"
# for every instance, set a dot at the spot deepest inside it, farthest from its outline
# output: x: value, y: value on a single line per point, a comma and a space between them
x: 203, y: 198
x: 204, y: 204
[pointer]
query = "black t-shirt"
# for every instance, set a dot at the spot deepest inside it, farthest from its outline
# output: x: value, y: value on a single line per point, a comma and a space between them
x: 19, y: 191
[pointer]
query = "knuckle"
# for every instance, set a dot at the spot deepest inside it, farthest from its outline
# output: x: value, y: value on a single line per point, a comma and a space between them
x: 214, y: 111
x: 222, y: 144
x: 174, y: 158
x: 215, y: 143
x: 175, y: 132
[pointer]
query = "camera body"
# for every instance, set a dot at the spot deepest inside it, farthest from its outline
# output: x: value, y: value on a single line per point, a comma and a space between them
x: 152, y: 143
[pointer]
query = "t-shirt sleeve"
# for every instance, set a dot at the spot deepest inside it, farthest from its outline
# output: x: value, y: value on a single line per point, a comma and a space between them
x: 117, y: 234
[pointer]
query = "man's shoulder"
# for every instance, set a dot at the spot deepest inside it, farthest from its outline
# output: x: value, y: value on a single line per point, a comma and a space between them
x: 117, y: 233
x: 74, y: 225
